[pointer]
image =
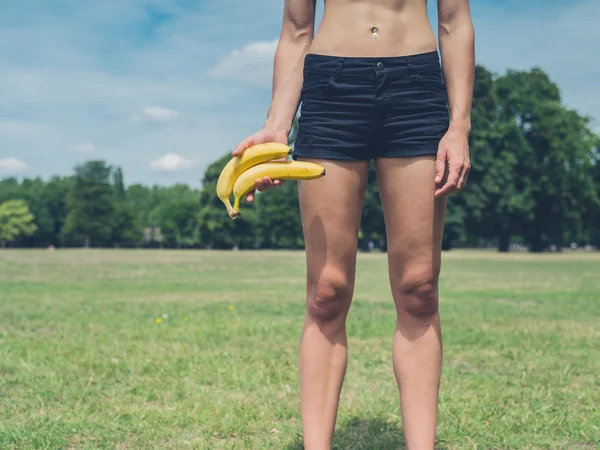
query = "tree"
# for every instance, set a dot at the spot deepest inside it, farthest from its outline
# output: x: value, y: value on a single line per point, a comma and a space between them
x: 9, y: 189
x: 54, y: 197
x: 127, y: 228
x: 553, y: 156
x: 178, y: 223
x: 141, y: 200
x: 590, y: 233
x: 594, y: 214
x: 119, y: 184
x: 372, y: 224
x: 501, y: 199
x: 91, y: 203
x: 215, y: 228
x: 173, y: 210
x: 15, y: 220
x: 33, y: 191
x: 535, y: 178
x: 279, y: 224
x: 46, y: 202
x: 469, y: 209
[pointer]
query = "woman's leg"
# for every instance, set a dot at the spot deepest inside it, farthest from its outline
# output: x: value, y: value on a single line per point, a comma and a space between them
x: 414, y: 226
x: 331, y: 209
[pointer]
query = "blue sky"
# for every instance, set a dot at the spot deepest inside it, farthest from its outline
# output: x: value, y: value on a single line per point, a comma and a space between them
x: 163, y: 87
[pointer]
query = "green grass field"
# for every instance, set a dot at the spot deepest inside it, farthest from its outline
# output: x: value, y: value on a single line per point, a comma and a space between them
x: 175, y: 350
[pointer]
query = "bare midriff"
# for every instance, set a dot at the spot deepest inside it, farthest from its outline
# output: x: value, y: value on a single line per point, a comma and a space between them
x: 374, y: 28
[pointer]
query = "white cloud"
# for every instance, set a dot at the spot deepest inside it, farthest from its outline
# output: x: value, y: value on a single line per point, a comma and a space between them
x: 170, y: 162
x: 156, y: 113
x: 12, y: 165
x: 84, y: 148
x: 251, y: 64
x: 77, y: 75
x: 80, y: 74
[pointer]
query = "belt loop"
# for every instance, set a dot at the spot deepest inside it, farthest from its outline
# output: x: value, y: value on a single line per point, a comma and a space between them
x: 338, y: 69
x: 409, y: 67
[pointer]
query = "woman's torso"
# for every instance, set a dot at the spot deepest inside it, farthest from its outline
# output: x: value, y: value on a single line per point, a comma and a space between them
x: 374, y: 28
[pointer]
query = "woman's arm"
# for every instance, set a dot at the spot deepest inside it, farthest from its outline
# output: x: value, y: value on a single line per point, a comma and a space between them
x: 457, y: 47
x: 297, y: 33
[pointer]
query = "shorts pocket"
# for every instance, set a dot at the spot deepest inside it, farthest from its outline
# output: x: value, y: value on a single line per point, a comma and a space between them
x: 432, y: 81
x: 317, y: 84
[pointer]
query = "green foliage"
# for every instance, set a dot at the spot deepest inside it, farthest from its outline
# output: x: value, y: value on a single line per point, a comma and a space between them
x: 92, y: 205
x: 535, y: 179
x: 372, y: 226
x: 215, y: 228
x: 127, y: 228
x: 553, y: 149
x: 531, y: 163
x: 54, y: 197
x: 278, y: 216
x: 46, y: 201
x: 118, y: 184
x: 592, y: 213
x: 178, y: 222
x: 15, y: 220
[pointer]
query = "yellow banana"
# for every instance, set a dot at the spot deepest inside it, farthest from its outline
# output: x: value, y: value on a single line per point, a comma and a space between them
x: 284, y: 170
x: 238, y: 164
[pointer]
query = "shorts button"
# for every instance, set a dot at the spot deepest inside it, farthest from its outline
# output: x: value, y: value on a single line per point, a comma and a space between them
x: 379, y: 65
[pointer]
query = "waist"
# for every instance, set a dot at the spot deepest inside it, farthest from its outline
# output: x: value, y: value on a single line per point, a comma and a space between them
x: 368, y: 65
x: 374, y: 28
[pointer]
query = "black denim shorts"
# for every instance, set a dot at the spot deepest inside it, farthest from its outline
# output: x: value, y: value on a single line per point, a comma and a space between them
x: 356, y: 108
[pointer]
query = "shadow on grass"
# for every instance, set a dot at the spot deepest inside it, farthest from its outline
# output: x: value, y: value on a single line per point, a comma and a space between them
x: 365, y: 434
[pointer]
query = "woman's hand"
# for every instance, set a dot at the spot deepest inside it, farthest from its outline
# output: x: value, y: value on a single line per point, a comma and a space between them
x: 260, y: 137
x: 453, y: 153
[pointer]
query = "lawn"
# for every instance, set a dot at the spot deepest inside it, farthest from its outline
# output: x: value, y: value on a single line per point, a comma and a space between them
x: 174, y: 350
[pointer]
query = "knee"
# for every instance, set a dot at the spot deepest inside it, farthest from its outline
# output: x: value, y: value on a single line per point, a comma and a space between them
x: 418, y: 295
x: 329, y: 298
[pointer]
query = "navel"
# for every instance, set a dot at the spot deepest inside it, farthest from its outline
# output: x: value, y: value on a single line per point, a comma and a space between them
x: 374, y: 30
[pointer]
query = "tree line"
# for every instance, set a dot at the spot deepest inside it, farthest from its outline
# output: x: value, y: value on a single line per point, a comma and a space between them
x: 534, y: 181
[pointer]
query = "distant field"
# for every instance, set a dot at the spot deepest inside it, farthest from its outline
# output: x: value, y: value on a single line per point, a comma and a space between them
x: 175, y: 350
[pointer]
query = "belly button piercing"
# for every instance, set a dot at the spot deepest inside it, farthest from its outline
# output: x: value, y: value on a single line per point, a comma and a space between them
x: 374, y: 31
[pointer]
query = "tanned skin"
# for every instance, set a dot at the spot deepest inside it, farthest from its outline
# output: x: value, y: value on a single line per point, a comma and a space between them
x: 413, y: 193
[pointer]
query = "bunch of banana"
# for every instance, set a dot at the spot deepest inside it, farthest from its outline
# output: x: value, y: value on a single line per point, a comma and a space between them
x: 239, y: 175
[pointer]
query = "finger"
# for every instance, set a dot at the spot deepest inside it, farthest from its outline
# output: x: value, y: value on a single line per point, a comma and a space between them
x: 250, y: 196
x: 248, y: 142
x: 260, y: 185
x: 440, y: 165
x: 277, y: 182
x: 268, y: 183
x: 454, y: 174
x: 452, y: 181
x: 461, y: 182
x: 463, y: 176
